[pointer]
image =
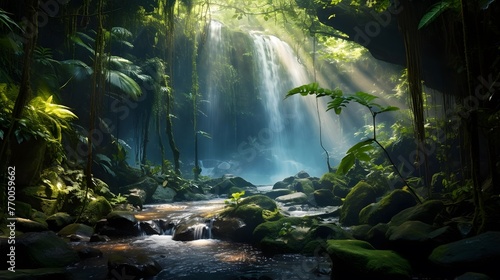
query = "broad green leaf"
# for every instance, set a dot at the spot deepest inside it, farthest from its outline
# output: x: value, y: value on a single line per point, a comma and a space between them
x: 434, y: 11
x: 360, y: 145
x: 346, y: 163
x: 388, y: 109
x: 124, y: 83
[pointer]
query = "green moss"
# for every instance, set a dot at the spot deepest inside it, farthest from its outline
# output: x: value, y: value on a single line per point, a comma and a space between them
x: 359, y: 259
x: 260, y: 200
x: 360, y: 196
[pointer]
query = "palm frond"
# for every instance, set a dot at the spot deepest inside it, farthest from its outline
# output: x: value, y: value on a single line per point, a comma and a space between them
x: 124, y: 83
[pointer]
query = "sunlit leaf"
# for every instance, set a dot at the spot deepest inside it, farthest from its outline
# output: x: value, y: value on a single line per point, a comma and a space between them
x: 345, y: 164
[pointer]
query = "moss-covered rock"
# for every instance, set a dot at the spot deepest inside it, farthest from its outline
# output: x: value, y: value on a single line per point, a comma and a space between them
x: 59, y: 220
x: 304, y: 185
x: 286, y: 235
x: 361, y: 195
x: 425, y: 212
x: 324, y: 197
x: 97, y: 209
x: 383, y: 210
x: 330, y: 231
x: 356, y: 259
x: 83, y: 232
x: 260, y: 200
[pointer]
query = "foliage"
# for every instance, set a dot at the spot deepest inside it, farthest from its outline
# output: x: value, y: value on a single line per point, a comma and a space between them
x: 43, y: 119
x: 359, y: 151
x: 436, y: 10
x: 286, y: 229
x: 235, y: 199
x: 118, y: 199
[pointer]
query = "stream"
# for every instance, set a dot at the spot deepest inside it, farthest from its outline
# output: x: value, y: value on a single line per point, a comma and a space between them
x: 199, y: 259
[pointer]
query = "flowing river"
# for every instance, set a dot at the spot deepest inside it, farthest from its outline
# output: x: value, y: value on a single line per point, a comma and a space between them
x: 199, y: 259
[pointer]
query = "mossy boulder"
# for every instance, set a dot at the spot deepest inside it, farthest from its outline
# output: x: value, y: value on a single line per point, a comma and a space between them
x: 231, y: 184
x: 425, y: 212
x: 260, y: 200
x: 251, y: 211
x: 356, y: 259
x: 324, y: 197
x: 304, y: 185
x: 43, y: 249
x: 383, y: 210
x: 361, y: 195
x: 59, y: 220
x: 96, y: 209
x: 330, y: 231
x: 77, y: 232
x: 286, y: 235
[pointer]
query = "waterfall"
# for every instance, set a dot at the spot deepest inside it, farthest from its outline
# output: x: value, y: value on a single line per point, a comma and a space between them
x: 273, y: 138
x: 279, y: 70
x: 203, y: 230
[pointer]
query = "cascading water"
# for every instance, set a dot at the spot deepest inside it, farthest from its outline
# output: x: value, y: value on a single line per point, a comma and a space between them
x: 279, y: 138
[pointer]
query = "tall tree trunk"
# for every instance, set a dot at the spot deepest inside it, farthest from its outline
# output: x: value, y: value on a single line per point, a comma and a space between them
x: 169, y: 38
x: 24, y: 95
x: 408, y: 23
x: 145, y: 139
x: 473, y: 69
x: 98, y: 84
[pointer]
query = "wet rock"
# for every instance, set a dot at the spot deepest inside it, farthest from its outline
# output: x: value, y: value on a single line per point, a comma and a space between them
x: 43, y: 249
x: 274, y: 193
x: 59, y: 220
x: 186, y: 229
x: 226, y: 228
x: 151, y: 228
x: 479, y: 254
x: 361, y: 195
x: 303, y: 185
x: 132, y: 267
x: 356, y: 259
x: 120, y: 223
x: 294, y: 198
x: 383, y: 210
x: 99, y: 238
x: 137, y: 197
